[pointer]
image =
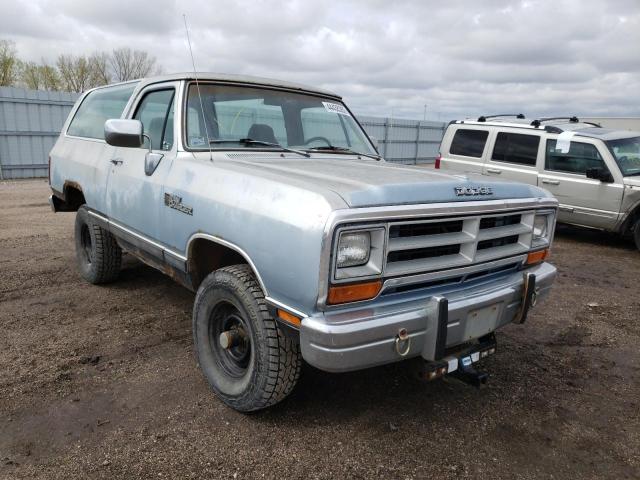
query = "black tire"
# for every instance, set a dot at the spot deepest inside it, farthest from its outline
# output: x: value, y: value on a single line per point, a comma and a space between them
x: 265, y: 365
x: 98, y: 254
x: 636, y: 234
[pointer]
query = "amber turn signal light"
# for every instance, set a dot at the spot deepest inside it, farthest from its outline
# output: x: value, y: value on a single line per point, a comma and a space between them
x: 353, y: 292
x: 288, y: 318
x: 537, y: 257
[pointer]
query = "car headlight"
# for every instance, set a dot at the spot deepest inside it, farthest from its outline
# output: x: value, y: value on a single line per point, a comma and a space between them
x: 542, y: 229
x: 353, y: 249
x: 359, y: 253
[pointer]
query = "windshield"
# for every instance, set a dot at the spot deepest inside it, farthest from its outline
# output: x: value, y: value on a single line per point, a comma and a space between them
x: 626, y: 151
x: 250, y: 118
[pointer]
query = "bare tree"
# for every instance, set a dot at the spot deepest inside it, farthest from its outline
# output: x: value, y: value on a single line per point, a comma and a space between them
x: 100, y: 68
x: 128, y: 64
x: 75, y: 73
x: 30, y: 75
x: 8, y: 63
x: 49, y: 77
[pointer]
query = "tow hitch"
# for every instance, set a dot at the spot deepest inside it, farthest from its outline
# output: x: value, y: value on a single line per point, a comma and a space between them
x: 460, y: 364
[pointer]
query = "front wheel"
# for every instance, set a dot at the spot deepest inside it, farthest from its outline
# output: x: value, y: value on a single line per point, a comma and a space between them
x: 249, y: 363
x: 97, y: 252
x: 636, y: 233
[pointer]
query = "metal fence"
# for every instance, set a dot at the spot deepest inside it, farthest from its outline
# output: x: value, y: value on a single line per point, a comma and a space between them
x: 405, y: 141
x: 30, y: 121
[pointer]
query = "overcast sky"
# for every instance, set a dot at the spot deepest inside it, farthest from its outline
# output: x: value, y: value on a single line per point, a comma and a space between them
x: 459, y: 58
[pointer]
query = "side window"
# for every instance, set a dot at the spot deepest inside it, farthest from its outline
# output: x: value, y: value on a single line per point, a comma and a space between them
x: 469, y: 143
x: 516, y: 148
x: 155, y: 111
x: 580, y: 157
x: 98, y: 107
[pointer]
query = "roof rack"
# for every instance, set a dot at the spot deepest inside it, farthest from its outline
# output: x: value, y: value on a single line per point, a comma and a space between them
x: 537, y: 122
x: 484, y: 118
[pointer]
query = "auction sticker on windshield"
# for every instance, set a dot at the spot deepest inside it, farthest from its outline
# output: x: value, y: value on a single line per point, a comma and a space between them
x: 335, y: 108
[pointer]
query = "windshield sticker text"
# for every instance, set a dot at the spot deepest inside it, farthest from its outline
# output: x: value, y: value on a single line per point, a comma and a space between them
x: 335, y: 108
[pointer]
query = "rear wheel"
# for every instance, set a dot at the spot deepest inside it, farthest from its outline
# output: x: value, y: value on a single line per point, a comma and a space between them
x: 97, y: 253
x: 636, y: 233
x: 249, y: 363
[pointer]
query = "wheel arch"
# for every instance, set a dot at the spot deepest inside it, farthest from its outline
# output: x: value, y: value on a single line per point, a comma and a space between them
x: 631, y: 219
x: 206, y: 253
x: 73, y: 196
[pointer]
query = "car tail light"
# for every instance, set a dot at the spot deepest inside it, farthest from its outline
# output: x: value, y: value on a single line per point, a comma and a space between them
x: 438, y: 158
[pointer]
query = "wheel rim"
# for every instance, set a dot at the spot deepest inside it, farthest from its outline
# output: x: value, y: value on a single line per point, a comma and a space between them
x: 234, y: 360
x: 87, y: 245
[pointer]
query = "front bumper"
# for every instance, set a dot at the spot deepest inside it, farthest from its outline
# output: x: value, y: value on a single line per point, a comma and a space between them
x: 356, y: 338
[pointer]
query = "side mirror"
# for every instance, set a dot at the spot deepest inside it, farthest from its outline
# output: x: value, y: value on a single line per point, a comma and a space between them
x: 123, y: 133
x: 597, y: 173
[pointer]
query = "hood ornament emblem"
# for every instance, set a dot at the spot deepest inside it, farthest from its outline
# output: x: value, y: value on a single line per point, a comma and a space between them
x: 471, y: 191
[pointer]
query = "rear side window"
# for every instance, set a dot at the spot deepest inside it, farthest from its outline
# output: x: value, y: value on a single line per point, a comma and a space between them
x: 469, y: 143
x: 516, y: 148
x: 98, y: 107
x: 580, y: 157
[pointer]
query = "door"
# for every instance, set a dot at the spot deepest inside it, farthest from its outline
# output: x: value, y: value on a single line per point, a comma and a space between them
x: 514, y: 157
x: 583, y: 201
x: 135, y: 190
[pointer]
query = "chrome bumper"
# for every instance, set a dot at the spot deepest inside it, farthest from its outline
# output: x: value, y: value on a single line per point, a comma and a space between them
x: 388, y: 331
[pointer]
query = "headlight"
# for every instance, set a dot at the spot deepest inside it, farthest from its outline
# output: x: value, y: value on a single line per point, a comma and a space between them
x: 540, y: 226
x: 359, y: 253
x: 353, y: 249
x: 542, y: 229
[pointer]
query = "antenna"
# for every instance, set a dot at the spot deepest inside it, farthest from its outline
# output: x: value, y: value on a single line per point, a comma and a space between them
x: 195, y: 75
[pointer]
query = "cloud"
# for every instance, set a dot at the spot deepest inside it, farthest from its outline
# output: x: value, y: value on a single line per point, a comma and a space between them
x: 459, y: 58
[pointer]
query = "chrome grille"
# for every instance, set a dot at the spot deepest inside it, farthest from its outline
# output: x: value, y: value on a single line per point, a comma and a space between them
x: 445, y: 243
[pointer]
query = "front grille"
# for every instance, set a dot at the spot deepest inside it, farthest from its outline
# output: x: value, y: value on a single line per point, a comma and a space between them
x: 431, y: 245
x: 418, y: 253
x: 498, y: 242
x: 415, y: 230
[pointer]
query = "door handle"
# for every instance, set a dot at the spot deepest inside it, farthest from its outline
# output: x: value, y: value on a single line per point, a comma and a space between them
x: 550, y: 182
x: 116, y: 161
x: 494, y: 170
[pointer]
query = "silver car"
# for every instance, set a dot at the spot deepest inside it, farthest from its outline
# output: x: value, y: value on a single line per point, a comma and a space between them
x: 593, y: 172
x: 269, y: 200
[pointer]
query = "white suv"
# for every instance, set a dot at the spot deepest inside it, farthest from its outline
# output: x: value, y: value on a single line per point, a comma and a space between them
x: 594, y: 172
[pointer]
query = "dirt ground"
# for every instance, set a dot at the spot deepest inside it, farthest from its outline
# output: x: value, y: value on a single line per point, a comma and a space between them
x: 101, y: 382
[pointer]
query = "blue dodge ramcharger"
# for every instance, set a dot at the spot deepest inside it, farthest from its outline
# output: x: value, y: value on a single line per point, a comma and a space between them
x: 270, y: 201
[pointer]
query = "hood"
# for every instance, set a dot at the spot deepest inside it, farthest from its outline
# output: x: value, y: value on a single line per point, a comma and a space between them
x: 368, y: 183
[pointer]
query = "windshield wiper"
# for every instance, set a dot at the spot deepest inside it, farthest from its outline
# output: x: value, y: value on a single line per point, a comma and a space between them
x: 334, y: 148
x: 250, y: 141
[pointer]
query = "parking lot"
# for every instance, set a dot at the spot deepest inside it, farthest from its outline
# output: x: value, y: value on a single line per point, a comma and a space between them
x: 101, y: 381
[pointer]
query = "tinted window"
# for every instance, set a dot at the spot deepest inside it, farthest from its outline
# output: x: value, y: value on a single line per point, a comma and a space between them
x: 580, y: 157
x: 469, y: 143
x: 516, y: 148
x: 156, y: 114
x: 98, y: 107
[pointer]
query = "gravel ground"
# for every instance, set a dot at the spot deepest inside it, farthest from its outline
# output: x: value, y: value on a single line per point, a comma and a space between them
x: 101, y: 382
